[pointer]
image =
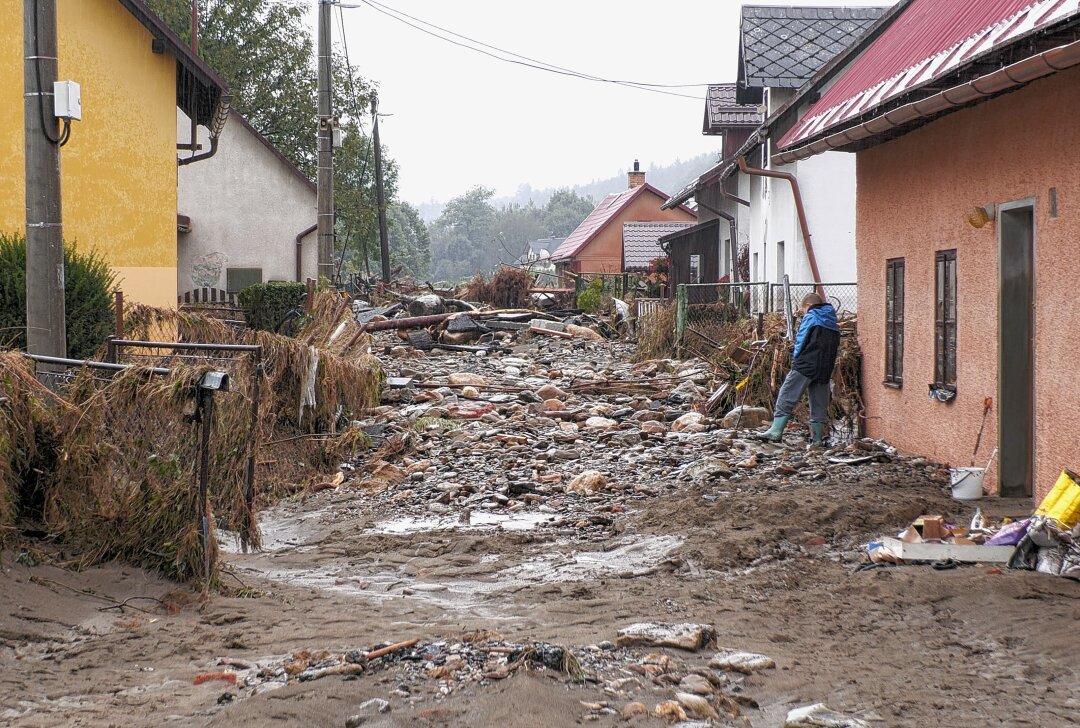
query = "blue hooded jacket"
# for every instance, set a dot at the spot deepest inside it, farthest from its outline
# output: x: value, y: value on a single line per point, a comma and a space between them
x: 817, y: 343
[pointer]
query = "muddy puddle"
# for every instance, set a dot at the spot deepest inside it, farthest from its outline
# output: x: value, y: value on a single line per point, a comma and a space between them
x: 486, y: 592
x: 477, y: 520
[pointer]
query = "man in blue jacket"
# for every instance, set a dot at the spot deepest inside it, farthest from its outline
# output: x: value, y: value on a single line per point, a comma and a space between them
x: 816, y: 345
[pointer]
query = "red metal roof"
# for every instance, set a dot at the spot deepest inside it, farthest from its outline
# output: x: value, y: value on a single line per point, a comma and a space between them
x: 601, y: 216
x: 929, y: 39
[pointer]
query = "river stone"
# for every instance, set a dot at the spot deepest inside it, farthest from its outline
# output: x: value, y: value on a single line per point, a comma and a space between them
x: 746, y: 418
x: 458, y: 379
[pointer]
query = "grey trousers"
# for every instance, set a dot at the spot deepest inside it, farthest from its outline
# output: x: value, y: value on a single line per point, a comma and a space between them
x: 792, y: 391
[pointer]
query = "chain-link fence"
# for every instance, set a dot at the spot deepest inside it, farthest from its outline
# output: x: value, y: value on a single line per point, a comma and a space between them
x: 843, y: 296
x: 708, y: 304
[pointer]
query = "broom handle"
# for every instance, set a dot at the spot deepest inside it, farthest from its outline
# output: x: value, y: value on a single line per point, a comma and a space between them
x: 988, y: 403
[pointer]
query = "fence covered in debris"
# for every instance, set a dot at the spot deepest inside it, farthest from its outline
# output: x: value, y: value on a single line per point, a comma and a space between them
x: 142, y: 458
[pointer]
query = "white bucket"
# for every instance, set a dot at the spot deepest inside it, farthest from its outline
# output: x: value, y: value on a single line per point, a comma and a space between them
x: 967, y: 483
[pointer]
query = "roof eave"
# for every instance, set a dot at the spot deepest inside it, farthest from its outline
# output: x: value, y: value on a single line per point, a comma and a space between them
x: 187, y: 60
x: 871, y: 129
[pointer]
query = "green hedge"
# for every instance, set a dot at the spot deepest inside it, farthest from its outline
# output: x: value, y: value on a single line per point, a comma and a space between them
x: 88, y: 297
x: 265, y: 304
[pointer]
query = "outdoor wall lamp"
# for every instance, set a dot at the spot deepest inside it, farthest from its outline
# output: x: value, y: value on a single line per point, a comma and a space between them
x: 978, y: 217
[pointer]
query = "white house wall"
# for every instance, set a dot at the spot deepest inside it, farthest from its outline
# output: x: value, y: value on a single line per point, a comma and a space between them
x: 827, y: 183
x: 246, y: 208
x: 828, y: 188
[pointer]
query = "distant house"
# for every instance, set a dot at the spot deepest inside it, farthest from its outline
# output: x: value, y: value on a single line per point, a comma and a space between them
x: 540, y: 249
x: 118, y: 171
x: 249, y: 215
x: 781, y: 48
x: 964, y: 118
x: 596, y: 246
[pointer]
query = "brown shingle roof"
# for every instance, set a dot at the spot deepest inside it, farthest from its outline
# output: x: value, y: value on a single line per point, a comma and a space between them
x: 722, y: 111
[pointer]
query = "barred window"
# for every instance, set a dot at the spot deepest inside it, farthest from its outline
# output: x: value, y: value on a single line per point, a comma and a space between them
x: 894, y: 321
x: 945, y: 320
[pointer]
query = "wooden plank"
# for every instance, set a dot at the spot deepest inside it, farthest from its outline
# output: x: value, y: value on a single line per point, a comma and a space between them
x: 946, y: 551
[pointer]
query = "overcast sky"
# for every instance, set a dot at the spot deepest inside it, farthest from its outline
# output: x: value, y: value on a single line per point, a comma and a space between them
x: 461, y: 119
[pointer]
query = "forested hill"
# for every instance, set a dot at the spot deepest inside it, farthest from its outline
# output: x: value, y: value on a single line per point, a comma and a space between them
x: 668, y: 178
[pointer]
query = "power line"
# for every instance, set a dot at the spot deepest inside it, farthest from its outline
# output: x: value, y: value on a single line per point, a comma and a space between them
x: 525, y: 60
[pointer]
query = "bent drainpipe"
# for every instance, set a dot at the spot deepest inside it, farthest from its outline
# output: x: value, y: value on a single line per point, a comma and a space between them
x: 799, y: 208
x: 734, y: 252
x: 300, y: 250
x: 221, y: 115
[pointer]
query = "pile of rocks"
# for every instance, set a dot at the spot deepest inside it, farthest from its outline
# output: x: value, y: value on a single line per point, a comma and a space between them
x: 574, y: 430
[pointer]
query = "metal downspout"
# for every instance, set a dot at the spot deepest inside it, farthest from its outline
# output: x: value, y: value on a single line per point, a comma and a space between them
x: 799, y: 209
x: 732, y: 242
x: 300, y: 250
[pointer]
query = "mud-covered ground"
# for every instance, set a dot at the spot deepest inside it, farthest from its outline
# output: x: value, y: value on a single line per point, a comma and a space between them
x: 767, y: 556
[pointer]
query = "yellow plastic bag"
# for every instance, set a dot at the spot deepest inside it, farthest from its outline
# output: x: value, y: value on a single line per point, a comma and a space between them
x: 1063, y: 502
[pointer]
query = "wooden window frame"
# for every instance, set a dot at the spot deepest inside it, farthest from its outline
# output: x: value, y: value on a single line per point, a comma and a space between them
x: 945, y: 320
x: 894, y: 322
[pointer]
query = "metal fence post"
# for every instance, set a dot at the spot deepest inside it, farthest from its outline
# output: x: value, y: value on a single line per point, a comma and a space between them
x: 787, y: 306
x: 681, y: 306
x: 249, y: 485
x: 206, y: 398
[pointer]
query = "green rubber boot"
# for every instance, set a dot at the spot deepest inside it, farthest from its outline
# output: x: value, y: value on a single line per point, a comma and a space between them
x: 774, y: 433
x: 817, y: 429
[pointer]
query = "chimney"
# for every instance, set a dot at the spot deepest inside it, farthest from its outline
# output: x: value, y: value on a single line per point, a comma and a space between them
x: 636, y: 178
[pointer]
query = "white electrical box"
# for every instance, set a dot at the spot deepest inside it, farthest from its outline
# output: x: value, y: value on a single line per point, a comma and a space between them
x: 67, y: 100
x: 337, y: 137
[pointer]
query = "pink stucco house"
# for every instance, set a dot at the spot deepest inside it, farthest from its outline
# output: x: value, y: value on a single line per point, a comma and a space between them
x: 964, y: 116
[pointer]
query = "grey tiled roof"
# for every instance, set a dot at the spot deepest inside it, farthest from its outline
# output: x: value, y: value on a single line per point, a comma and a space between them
x: 640, y: 244
x: 782, y: 47
x: 723, y: 112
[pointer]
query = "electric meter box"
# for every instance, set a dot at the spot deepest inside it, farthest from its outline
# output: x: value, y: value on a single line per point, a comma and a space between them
x: 67, y: 100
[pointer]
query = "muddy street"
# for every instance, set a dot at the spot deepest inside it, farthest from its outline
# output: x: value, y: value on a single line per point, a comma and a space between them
x: 520, y: 514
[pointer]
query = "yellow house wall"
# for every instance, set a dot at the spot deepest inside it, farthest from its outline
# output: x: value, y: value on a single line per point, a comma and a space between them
x: 118, y: 172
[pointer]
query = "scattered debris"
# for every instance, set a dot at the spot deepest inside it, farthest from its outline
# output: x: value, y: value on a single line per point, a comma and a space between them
x: 744, y: 662
x: 684, y: 636
x: 820, y: 716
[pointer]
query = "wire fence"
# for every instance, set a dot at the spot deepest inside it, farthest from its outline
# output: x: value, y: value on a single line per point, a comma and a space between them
x: 150, y: 448
x: 843, y: 296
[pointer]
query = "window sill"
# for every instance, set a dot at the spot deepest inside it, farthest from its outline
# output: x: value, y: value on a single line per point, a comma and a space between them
x: 894, y: 385
x: 945, y: 395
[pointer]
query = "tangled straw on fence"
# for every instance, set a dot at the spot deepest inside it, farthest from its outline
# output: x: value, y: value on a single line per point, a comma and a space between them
x: 330, y: 345
x: 656, y: 334
x: 115, y: 458
x: 25, y: 418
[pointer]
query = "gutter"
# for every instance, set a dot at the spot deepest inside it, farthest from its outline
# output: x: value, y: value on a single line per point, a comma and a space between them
x: 300, y: 250
x: 993, y: 84
x: 799, y: 208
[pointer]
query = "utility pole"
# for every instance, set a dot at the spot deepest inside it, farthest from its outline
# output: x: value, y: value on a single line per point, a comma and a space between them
x: 380, y: 193
x: 46, y: 332
x: 326, y: 150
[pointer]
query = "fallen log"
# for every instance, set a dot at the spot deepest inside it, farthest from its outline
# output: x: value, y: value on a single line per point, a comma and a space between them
x: 383, y: 651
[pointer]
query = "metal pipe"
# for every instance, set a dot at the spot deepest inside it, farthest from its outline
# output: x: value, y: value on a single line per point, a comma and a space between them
x: 800, y: 209
x: 89, y: 364
x: 733, y: 243
x: 184, y: 345
x: 199, y: 157
x: 300, y: 250
x: 252, y: 444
